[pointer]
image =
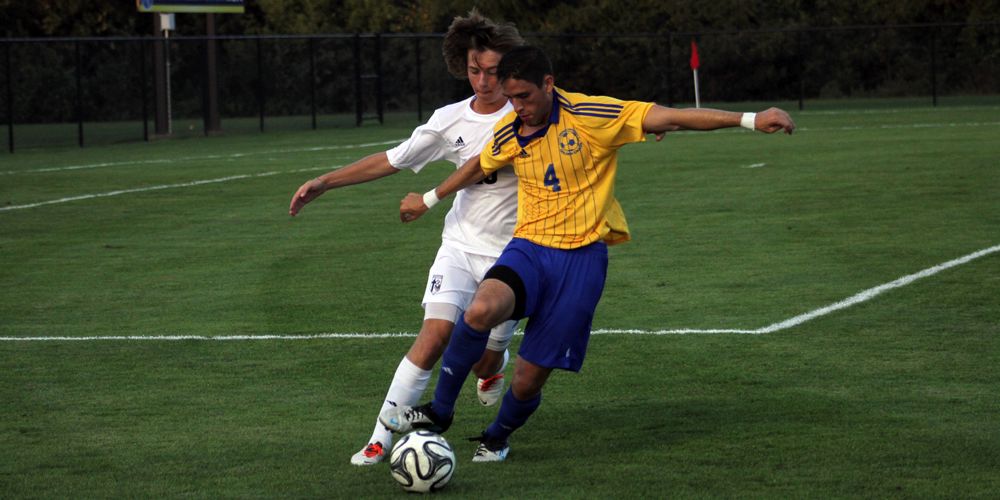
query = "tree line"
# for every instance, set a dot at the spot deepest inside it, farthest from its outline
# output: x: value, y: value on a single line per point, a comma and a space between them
x: 46, y: 18
x: 751, y: 50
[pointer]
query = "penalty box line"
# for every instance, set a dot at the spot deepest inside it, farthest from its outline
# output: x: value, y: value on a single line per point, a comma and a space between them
x: 853, y: 300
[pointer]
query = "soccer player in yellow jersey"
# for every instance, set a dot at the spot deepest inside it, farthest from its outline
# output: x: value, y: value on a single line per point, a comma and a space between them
x: 563, y: 147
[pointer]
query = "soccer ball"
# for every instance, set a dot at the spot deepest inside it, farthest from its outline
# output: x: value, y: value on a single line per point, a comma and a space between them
x: 422, y: 461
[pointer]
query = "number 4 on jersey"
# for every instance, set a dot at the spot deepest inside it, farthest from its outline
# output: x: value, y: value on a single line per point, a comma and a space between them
x: 551, y: 180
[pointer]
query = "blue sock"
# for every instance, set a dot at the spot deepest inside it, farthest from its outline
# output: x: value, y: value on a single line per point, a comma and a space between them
x: 513, y: 414
x: 464, y: 350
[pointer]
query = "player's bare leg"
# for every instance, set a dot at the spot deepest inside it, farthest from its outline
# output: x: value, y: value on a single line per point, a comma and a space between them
x: 411, y: 379
x: 408, y: 385
x: 493, y: 304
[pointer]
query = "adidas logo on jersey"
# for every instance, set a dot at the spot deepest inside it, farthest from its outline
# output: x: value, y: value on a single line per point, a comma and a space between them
x: 459, y: 143
x: 524, y: 154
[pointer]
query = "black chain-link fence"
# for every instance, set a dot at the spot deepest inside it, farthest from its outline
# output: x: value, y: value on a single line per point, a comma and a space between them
x: 81, y: 91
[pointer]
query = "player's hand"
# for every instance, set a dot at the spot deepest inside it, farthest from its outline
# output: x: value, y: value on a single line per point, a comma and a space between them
x: 773, y: 120
x: 412, y: 207
x: 306, y: 193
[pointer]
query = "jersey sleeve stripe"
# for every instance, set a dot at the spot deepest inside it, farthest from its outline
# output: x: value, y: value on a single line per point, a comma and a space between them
x: 502, y: 136
x: 594, y: 114
x: 597, y: 105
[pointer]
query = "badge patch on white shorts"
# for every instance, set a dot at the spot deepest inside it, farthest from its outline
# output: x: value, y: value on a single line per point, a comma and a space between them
x: 436, y: 283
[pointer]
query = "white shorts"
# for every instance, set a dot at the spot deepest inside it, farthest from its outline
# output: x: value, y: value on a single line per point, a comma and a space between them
x: 452, y: 280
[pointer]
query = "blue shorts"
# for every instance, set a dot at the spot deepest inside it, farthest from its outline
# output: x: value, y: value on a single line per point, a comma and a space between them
x: 561, y: 291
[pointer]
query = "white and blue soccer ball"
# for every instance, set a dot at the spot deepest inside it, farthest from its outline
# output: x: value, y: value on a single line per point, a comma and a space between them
x: 422, y: 461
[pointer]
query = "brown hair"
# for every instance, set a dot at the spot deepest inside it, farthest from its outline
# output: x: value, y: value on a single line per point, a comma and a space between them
x: 479, y: 33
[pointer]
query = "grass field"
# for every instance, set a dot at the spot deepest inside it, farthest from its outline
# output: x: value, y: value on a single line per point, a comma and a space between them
x: 890, y: 394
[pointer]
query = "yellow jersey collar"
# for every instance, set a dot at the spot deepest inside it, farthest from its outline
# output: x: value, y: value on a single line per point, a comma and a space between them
x: 553, y: 119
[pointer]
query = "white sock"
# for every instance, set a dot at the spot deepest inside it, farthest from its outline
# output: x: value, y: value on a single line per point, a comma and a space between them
x: 408, y: 385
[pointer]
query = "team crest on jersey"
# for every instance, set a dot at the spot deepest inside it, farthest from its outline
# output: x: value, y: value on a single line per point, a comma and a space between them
x: 436, y: 281
x: 569, y: 142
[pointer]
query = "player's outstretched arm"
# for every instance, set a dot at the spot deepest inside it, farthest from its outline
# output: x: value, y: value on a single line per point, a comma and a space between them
x: 773, y: 120
x: 661, y: 119
x: 369, y: 168
x: 413, y: 205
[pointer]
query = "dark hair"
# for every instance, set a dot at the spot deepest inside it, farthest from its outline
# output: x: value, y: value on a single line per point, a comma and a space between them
x: 526, y: 63
x: 477, y: 33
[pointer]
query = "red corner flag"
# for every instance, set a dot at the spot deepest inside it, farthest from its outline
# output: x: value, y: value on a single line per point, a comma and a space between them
x: 694, y: 56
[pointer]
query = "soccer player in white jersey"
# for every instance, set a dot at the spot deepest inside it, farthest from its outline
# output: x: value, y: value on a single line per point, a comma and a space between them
x: 479, y: 225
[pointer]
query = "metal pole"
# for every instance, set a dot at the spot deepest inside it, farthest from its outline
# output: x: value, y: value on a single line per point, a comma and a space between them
x: 697, y: 94
x: 934, y: 92
x: 161, y: 79
x: 213, y: 124
x: 260, y: 84
x: 142, y: 89
x: 312, y: 79
x: 420, y: 108
x: 357, y: 80
x: 166, y: 83
x: 79, y: 96
x: 670, y: 70
x: 10, y: 102
x: 802, y: 71
x: 378, y: 76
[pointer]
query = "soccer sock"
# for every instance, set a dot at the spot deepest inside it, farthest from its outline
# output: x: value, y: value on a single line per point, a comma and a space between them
x: 408, y: 385
x: 513, y: 414
x: 464, y: 349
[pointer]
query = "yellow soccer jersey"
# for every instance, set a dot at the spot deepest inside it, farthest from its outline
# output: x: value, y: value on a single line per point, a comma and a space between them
x: 566, y: 171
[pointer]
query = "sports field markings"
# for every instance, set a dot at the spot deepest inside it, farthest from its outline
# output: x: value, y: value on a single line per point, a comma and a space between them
x: 265, y: 174
x: 853, y: 300
x: 203, y: 157
x: 161, y: 187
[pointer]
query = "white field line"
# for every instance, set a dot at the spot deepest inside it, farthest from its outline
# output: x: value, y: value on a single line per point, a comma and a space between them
x: 855, y: 299
x: 158, y: 188
x: 397, y: 141
x: 196, y: 158
x: 265, y: 174
x: 135, y: 190
x: 870, y: 293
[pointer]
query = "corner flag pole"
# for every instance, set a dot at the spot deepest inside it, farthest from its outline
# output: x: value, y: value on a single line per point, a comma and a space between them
x: 695, y: 62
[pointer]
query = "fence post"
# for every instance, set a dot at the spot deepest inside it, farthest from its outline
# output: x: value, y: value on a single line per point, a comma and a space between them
x: 10, y: 101
x: 378, y: 77
x: 312, y: 79
x: 142, y: 90
x: 358, y: 105
x: 670, y: 74
x: 79, y: 95
x: 260, y: 84
x: 802, y: 70
x: 934, y: 93
x: 210, y: 113
x: 420, y: 88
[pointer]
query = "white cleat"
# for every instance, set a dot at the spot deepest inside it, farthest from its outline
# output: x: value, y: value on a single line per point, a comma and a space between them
x: 490, y: 449
x: 370, y: 455
x: 403, y: 419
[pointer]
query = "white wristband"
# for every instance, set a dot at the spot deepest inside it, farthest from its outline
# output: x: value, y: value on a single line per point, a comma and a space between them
x: 747, y: 120
x: 431, y: 198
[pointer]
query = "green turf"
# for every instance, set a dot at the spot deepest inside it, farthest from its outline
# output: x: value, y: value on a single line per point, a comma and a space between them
x: 893, y: 397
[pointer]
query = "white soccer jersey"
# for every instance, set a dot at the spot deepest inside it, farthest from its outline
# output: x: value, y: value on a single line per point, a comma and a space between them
x: 481, y: 219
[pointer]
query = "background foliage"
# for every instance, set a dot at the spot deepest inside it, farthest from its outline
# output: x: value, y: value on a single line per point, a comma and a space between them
x: 100, y: 18
x: 779, y: 50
